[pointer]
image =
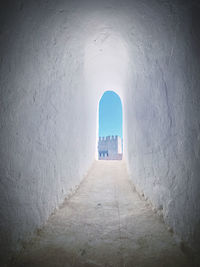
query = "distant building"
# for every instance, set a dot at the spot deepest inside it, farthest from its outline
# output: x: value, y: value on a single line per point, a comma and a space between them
x: 110, y: 148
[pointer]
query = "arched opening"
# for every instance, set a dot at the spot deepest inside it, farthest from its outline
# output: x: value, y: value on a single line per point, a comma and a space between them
x: 110, y: 141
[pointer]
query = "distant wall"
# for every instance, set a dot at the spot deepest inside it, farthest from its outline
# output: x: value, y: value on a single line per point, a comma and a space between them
x: 109, y: 148
x: 111, y: 157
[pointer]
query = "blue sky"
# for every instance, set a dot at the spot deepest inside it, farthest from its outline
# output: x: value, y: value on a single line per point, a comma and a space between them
x: 110, y: 114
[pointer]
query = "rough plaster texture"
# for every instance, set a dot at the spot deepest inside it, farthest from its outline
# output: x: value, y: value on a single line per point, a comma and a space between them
x: 162, y: 103
x: 104, y: 224
x: 56, y: 60
x: 44, y: 117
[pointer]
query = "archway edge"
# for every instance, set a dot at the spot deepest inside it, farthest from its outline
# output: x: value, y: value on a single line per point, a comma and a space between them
x: 98, y: 105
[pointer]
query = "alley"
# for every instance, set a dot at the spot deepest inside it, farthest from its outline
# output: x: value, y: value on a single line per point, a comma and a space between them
x: 105, y: 223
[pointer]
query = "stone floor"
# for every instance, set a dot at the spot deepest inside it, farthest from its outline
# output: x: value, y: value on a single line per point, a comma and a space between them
x: 104, y: 224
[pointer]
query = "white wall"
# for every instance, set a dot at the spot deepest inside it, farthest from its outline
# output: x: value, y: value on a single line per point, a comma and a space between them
x: 57, y: 58
x: 48, y: 129
x: 162, y: 114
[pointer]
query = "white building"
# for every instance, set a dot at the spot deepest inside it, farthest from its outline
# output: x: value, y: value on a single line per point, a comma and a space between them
x: 110, y: 148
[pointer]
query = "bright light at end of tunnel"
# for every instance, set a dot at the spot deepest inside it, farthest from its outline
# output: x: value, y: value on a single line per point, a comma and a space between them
x: 106, y: 60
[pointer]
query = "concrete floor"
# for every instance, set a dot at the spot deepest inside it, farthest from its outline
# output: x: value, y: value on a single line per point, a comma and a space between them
x: 104, y: 223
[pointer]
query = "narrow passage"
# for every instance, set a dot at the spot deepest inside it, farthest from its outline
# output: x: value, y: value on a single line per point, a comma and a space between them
x: 104, y: 224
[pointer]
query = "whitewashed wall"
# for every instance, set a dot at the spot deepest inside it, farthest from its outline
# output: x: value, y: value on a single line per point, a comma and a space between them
x: 162, y: 112
x: 56, y: 60
x: 47, y: 140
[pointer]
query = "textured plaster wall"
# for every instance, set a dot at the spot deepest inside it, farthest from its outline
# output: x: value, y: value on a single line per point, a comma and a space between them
x: 47, y: 140
x: 162, y: 111
x: 56, y: 60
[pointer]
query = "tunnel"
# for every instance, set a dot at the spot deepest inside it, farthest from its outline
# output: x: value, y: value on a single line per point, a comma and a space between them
x: 57, y: 58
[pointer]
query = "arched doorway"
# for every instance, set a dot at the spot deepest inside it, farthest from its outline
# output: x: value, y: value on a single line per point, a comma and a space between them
x: 110, y: 142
